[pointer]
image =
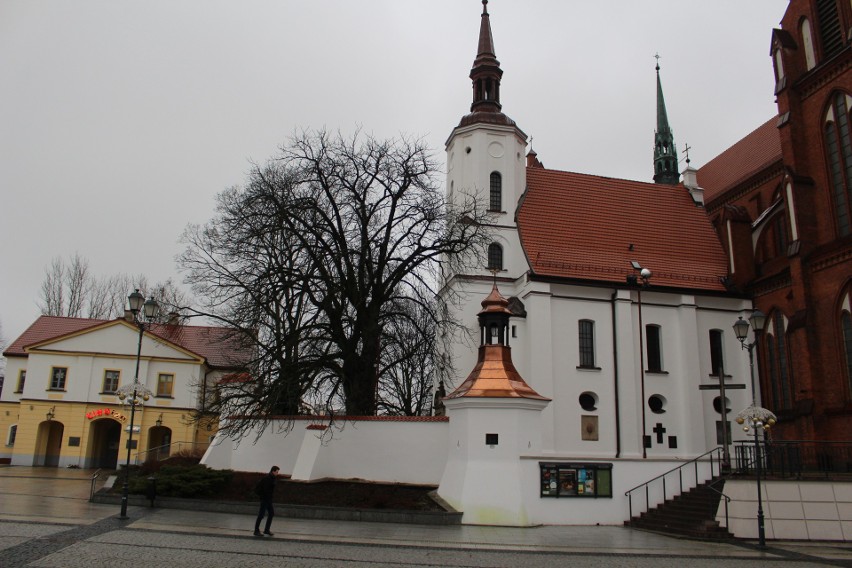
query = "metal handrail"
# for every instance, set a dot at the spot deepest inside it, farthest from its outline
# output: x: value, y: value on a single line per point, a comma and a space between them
x: 727, y: 499
x: 92, y: 489
x: 679, y: 469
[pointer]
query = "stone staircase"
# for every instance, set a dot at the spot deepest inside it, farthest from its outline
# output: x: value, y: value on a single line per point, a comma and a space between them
x: 691, y: 514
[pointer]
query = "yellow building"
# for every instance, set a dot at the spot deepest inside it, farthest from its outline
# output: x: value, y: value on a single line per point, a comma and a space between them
x: 59, y: 405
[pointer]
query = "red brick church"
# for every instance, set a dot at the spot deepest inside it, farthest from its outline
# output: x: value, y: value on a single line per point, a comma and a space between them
x: 781, y: 202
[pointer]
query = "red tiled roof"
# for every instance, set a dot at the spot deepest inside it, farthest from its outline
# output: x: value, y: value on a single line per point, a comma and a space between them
x: 580, y: 226
x: 211, y: 343
x: 216, y: 344
x: 757, y: 151
x: 48, y: 327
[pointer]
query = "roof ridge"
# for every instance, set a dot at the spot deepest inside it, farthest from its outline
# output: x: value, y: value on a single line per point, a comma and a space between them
x: 598, y: 176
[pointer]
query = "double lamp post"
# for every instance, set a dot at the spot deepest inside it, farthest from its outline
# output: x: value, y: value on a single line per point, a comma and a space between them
x: 135, y: 393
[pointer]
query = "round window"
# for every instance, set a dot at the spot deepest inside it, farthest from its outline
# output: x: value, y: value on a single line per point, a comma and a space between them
x: 717, y: 404
x: 589, y: 401
x: 657, y: 403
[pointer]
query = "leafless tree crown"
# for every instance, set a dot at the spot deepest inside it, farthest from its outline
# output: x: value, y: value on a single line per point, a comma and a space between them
x: 326, y: 265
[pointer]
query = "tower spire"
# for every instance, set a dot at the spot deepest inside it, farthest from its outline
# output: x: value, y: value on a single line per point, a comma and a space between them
x: 486, y: 72
x: 665, y: 151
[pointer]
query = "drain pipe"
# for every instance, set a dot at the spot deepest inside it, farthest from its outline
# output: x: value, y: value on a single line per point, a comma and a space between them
x: 615, y: 376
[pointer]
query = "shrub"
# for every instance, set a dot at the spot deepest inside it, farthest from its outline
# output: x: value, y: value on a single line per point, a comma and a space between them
x: 185, y: 481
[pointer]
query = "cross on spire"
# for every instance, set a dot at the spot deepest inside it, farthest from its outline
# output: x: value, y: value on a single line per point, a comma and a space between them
x: 657, y: 57
x: 686, y: 149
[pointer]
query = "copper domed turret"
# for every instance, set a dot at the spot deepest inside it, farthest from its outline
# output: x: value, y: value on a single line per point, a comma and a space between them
x: 494, y: 375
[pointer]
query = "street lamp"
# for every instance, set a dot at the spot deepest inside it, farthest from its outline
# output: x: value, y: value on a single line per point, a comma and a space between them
x: 135, y: 393
x: 757, y: 418
x: 645, y: 275
x: 757, y: 321
x: 754, y: 417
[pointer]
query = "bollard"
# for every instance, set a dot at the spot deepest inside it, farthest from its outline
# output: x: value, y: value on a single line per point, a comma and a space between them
x: 152, y: 489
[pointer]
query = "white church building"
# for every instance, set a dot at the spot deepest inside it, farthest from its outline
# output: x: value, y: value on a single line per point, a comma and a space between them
x: 600, y: 326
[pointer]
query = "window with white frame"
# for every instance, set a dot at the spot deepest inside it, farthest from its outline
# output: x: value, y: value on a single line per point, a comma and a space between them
x: 165, y: 384
x: 22, y: 378
x: 58, y: 375
x: 111, y: 380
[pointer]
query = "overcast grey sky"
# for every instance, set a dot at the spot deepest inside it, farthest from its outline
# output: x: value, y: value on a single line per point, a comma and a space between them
x: 120, y: 121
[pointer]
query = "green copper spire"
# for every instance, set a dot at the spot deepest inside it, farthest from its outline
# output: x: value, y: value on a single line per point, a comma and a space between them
x: 665, y: 152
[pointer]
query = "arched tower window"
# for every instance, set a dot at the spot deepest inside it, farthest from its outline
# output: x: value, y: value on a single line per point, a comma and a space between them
x: 495, y: 201
x: 839, y: 148
x: 495, y: 257
x: 808, y: 42
x: 780, y: 376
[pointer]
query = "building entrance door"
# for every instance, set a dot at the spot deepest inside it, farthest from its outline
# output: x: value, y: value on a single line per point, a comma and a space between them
x: 49, y: 443
x: 104, y: 437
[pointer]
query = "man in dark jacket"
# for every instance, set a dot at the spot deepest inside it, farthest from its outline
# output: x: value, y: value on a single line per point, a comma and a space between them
x: 266, y: 490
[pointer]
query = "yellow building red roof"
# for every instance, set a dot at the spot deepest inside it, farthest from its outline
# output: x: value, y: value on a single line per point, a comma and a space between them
x: 214, y: 344
x: 589, y: 228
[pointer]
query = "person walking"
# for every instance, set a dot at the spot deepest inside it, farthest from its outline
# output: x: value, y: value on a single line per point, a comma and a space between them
x: 265, y: 489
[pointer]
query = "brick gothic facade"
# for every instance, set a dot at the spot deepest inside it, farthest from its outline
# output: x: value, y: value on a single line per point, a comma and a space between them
x: 781, y: 201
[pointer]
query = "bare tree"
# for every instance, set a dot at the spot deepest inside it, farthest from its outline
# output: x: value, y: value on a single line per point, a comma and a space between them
x: 69, y: 289
x: 408, y: 368
x: 327, y: 246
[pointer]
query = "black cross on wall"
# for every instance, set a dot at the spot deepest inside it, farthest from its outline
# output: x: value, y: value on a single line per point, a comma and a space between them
x: 659, y: 431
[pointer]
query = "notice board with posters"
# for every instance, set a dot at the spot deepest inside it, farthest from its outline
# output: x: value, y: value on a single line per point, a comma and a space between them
x: 575, y: 479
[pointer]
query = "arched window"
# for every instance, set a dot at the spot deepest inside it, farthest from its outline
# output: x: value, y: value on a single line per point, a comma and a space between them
x: 717, y: 363
x: 828, y: 24
x: 495, y: 201
x: 780, y: 376
x: 839, y: 148
x: 654, y: 347
x: 587, y: 343
x: 846, y: 330
x: 779, y: 68
x: 808, y: 42
x: 846, y: 335
x: 495, y: 257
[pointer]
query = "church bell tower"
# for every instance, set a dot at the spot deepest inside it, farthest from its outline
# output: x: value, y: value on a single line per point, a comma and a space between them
x: 486, y: 161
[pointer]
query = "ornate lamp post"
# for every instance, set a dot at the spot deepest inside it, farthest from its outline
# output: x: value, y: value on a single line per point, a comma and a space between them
x: 757, y: 418
x: 135, y: 393
x: 754, y: 417
x: 757, y: 321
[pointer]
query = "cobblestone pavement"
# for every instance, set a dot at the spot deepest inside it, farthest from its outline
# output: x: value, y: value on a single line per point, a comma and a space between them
x: 110, y: 542
x: 47, y: 521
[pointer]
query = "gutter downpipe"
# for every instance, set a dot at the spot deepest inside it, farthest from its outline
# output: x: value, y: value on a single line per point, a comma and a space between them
x: 615, y: 376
